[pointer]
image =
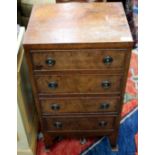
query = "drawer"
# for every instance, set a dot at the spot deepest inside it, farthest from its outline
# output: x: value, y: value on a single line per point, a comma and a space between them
x: 78, y: 59
x: 71, y: 123
x: 78, y: 83
x: 79, y: 105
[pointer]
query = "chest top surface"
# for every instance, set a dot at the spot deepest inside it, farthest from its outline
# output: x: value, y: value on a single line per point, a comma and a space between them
x: 78, y: 23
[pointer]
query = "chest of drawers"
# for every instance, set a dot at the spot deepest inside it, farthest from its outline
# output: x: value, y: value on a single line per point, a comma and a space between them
x: 78, y: 56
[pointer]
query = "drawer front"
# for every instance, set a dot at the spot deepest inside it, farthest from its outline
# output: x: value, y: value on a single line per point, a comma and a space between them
x: 78, y: 59
x: 78, y: 84
x: 79, y: 105
x: 62, y: 123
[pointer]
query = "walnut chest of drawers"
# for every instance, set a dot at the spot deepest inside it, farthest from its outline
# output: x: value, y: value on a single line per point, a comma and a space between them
x: 78, y: 56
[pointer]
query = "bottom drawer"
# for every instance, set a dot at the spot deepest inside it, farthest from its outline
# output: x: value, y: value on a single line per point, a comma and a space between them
x: 77, y: 123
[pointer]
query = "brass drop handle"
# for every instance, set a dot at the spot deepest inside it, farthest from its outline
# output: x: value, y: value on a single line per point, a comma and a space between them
x: 104, y: 106
x: 103, y: 123
x: 107, y: 60
x: 58, y: 125
x: 50, y: 62
x: 55, y: 107
x: 106, y: 84
x: 53, y: 85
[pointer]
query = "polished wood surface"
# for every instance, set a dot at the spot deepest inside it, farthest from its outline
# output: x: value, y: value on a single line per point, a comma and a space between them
x: 78, y: 23
x: 79, y: 123
x: 56, y: 106
x: 78, y: 59
x: 70, y: 84
x: 66, y: 46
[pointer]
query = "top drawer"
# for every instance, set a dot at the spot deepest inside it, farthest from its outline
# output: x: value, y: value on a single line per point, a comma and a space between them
x: 84, y: 59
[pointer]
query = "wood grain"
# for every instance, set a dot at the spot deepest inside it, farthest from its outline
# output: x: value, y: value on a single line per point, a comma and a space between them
x: 69, y: 84
x: 78, y: 59
x: 78, y: 123
x: 78, y: 23
x: 77, y: 36
x: 79, y: 105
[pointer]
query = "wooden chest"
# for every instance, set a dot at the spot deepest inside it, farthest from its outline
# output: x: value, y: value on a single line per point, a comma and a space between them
x: 78, y: 56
